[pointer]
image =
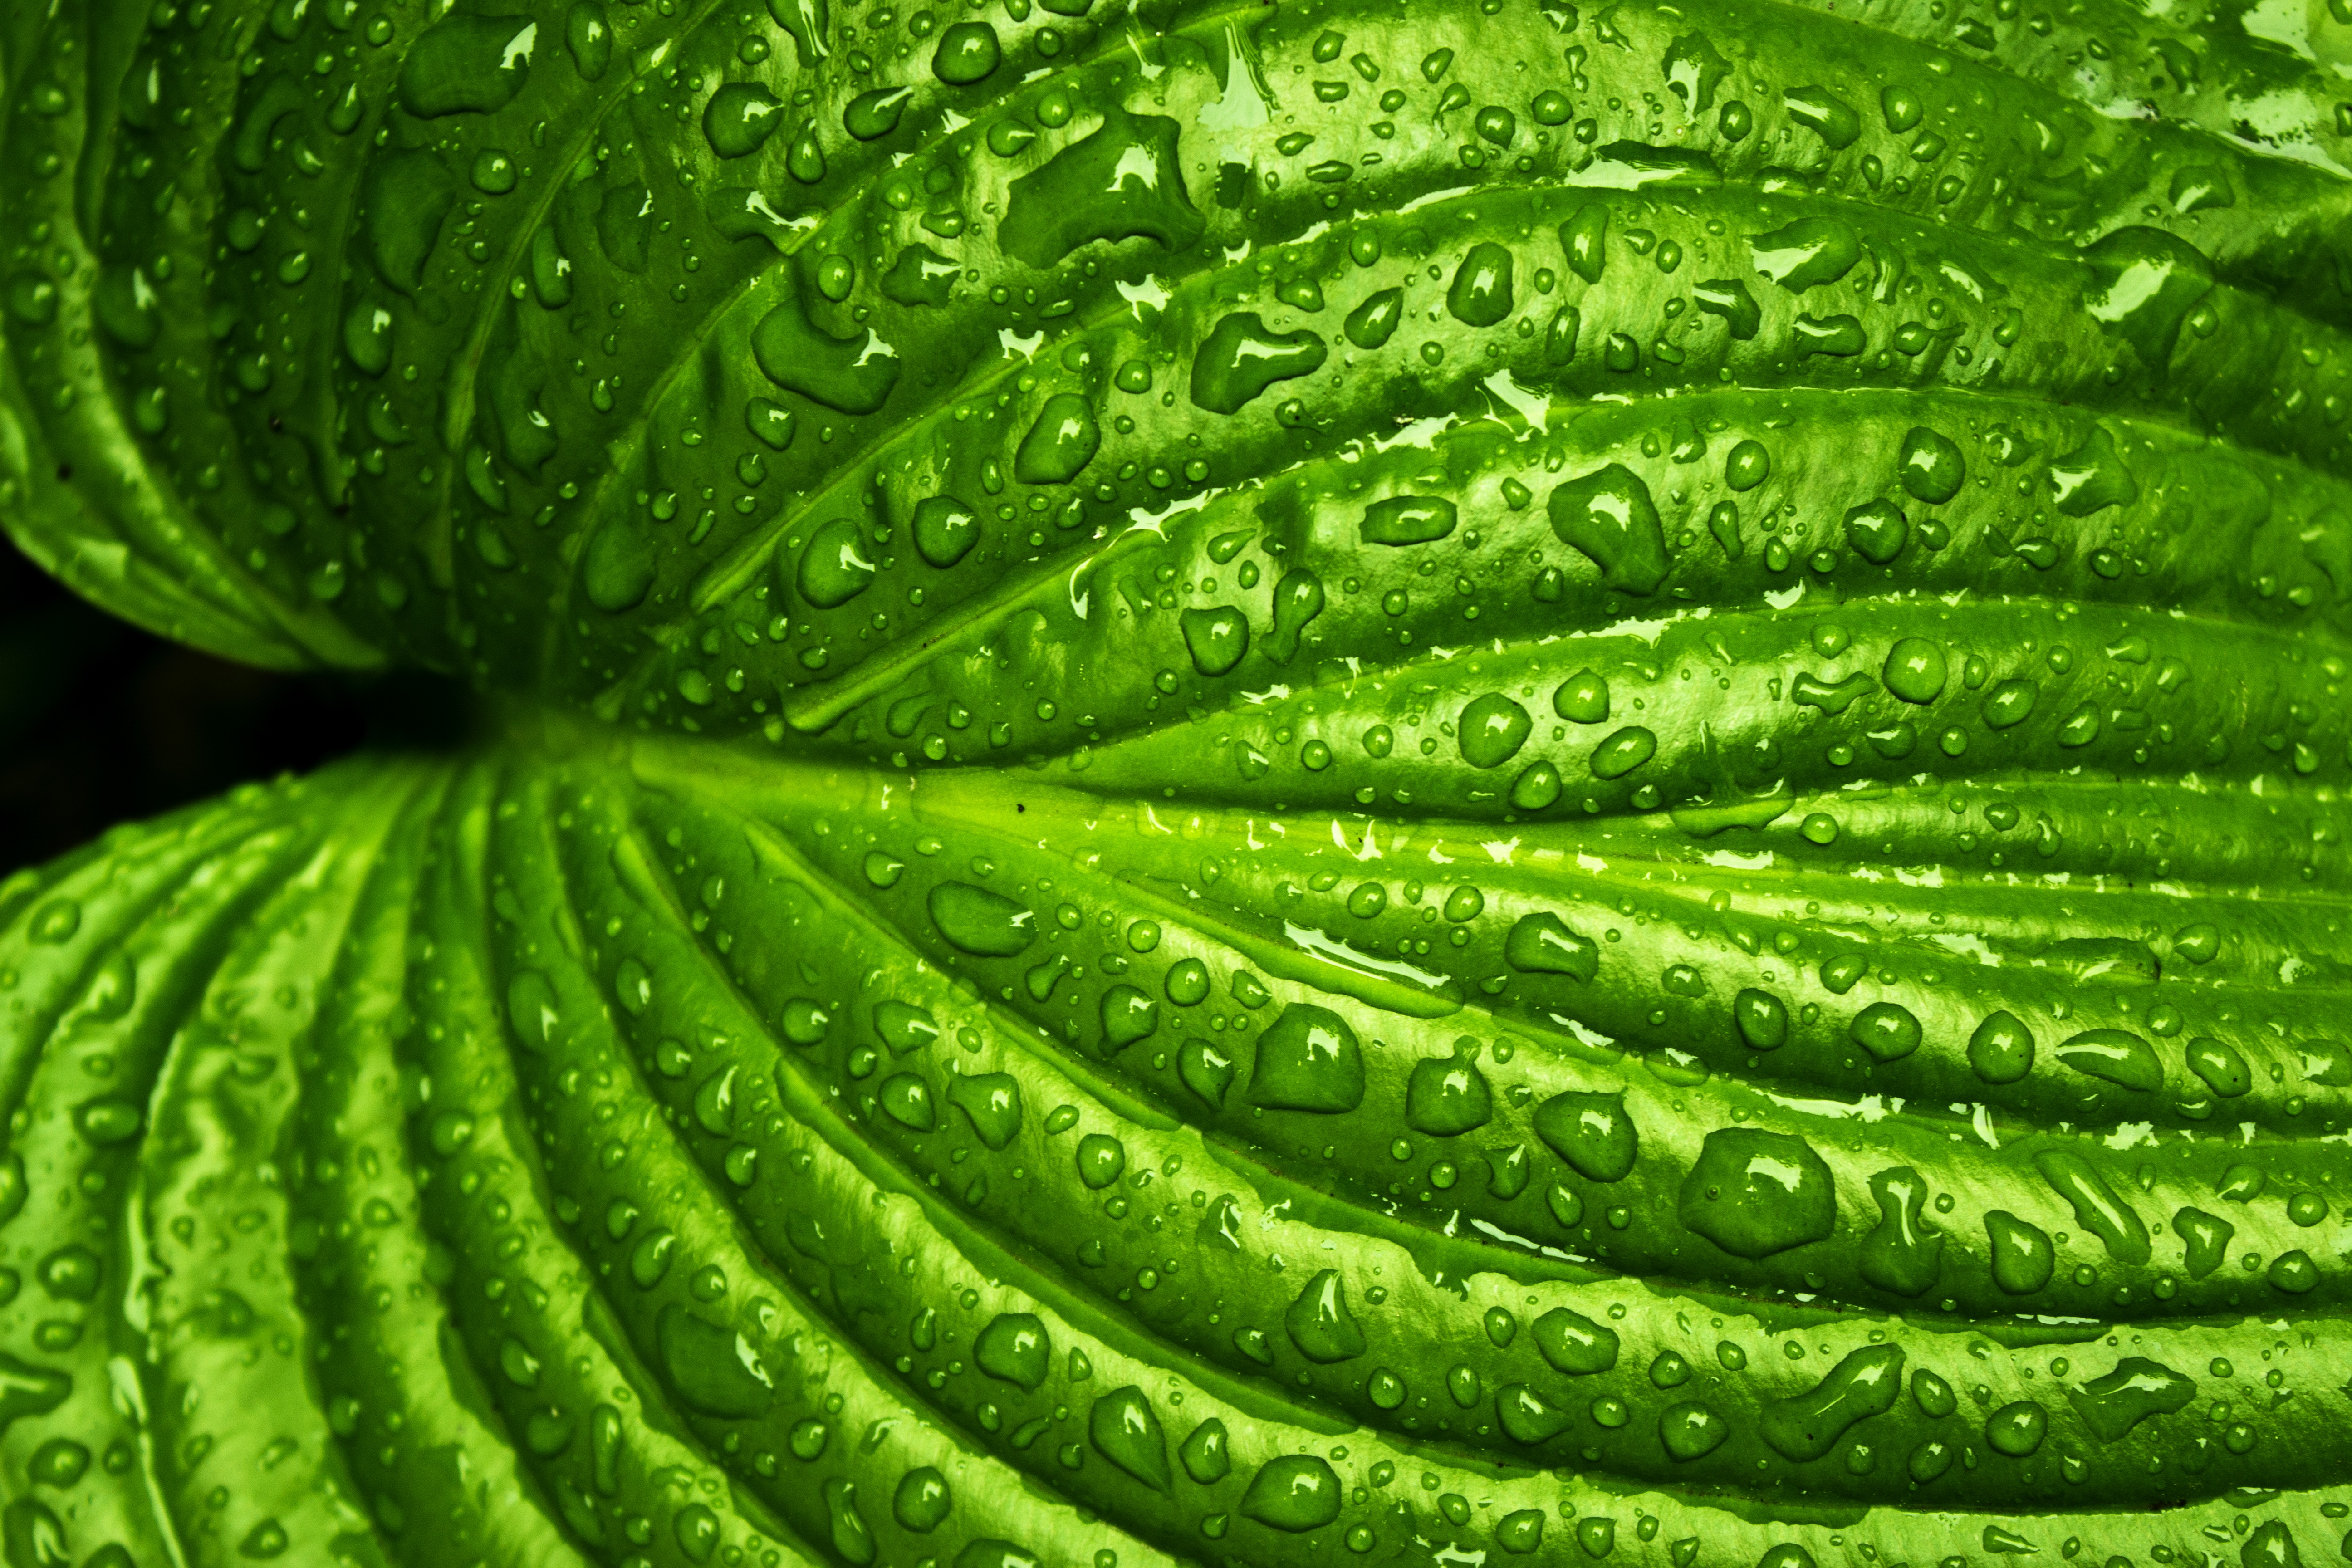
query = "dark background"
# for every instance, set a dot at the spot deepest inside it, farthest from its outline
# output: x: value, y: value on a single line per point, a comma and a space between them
x: 101, y: 723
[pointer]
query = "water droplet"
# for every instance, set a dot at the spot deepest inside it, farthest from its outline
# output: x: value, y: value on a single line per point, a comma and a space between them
x: 2218, y: 1064
x: 1100, y: 1157
x: 1542, y: 944
x: 1931, y: 466
x: 1806, y: 1426
x: 991, y: 1102
x: 1480, y: 294
x: 1754, y: 1192
x: 2093, y: 477
x: 2119, y: 1057
x: 905, y: 1099
x: 1592, y: 1131
x: 2023, y: 1256
x: 1761, y: 1018
x: 1526, y: 1416
x: 1901, y: 1254
x: 1370, y: 324
x: 921, y: 276
x: 1216, y: 637
x: 712, y: 1368
x: 1319, y: 1323
x: 1015, y: 1347
x: 1408, y: 519
x: 834, y: 568
x: 1242, y: 356
x: 1808, y: 252
x: 2096, y: 1207
x: 1623, y: 752
x: 1828, y: 116
x: 2010, y: 704
x: 1125, y: 181
x: 1061, y: 443
x: 1204, y: 1453
x: 2137, y: 1389
x: 1584, y: 237
x: 588, y: 33
x: 1582, y: 698
x: 739, y: 118
x: 851, y: 1537
x: 2001, y: 1049
x: 1878, y: 530
x: 1446, y: 1099
x: 975, y: 921
x: 1492, y: 729
x: 1308, y: 1060
x: 851, y: 375
x: 1691, y: 1431
x: 1887, y: 1030
x: 968, y: 52
x: 1125, y: 1430
x: 2017, y: 1429
x: 466, y: 63
x: 2148, y: 282
x: 1608, y: 516
x: 2206, y: 1237
x: 873, y: 115
x: 1573, y: 1344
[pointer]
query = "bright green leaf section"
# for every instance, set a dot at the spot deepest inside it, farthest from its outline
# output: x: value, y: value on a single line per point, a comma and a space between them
x: 595, y: 1137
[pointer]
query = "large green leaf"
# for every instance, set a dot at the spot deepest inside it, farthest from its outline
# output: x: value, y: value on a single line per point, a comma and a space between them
x: 1267, y: 783
x: 595, y: 1142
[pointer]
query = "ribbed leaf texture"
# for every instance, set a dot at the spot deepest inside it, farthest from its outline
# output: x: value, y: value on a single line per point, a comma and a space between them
x: 1268, y: 785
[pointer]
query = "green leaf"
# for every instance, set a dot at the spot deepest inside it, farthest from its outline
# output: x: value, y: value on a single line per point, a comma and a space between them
x: 1469, y: 765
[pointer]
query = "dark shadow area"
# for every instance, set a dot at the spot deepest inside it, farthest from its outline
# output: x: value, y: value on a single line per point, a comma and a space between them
x: 102, y: 723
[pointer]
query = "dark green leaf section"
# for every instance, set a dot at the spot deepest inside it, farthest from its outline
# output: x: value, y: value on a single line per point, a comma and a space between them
x: 604, y: 1147
x: 346, y: 337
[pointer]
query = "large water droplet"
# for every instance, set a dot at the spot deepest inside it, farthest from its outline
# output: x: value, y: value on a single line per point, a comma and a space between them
x: 991, y: 1102
x: 1062, y: 442
x: 1491, y: 729
x: 1319, y: 1323
x: 407, y: 195
x: 2023, y: 1256
x: 853, y: 374
x: 1808, y: 1425
x: 2147, y: 282
x: 1573, y: 1343
x: 712, y: 1368
x: 1931, y: 466
x: 977, y: 921
x: 1125, y: 1430
x: 1754, y: 1192
x: 968, y: 52
x: 834, y: 568
x: 1408, y: 519
x: 2017, y: 1429
x: 1592, y: 1131
x: 1608, y: 515
x: 466, y: 62
x: 2119, y: 1056
x: 2137, y: 1389
x: 2096, y: 1207
x: 1296, y: 1493
x: 1242, y: 357
x: 1446, y: 1099
x: 922, y: 1501
x: 1308, y: 1060
x: 1216, y: 636
x: 1542, y: 944
x: 1204, y: 1453
x: 1526, y: 1416
x: 1481, y: 293
x: 1691, y: 1431
x: 1887, y: 1030
x: 1901, y: 1253
x: 739, y: 118
x: 1761, y: 1018
x: 1015, y: 1347
x: 1809, y: 251
x: 2093, y: 477
x: 1124, y: 181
